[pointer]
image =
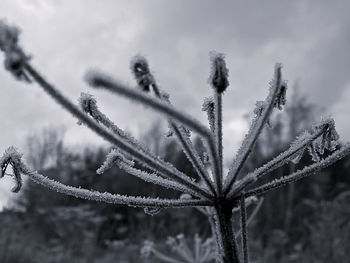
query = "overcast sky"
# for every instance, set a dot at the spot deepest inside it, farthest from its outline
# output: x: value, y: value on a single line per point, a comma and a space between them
x: 65, y: 38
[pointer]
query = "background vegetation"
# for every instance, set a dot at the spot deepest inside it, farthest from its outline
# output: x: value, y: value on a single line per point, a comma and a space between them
x: 309, y: 220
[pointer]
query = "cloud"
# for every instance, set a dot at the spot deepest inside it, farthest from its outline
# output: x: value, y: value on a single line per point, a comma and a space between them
x: 68, y: 37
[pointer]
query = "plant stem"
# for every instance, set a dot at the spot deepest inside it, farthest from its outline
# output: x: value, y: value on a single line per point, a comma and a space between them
x: 218, y: 138
x: 228, y: 249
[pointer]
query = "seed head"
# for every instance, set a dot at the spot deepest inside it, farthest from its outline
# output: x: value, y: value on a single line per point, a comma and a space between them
x: 140, y: 69
x: 219, y: 73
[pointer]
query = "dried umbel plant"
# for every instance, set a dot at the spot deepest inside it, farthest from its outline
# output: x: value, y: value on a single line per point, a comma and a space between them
x: 215, y: 194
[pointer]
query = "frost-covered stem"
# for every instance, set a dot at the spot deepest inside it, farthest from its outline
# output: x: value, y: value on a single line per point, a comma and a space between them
x: 211, y: 218
x: 244, y: 230
x: 254, y: 132
x: 111, y: 198
x: 111, y: 137
x: 275, y: 163
x: 188, y: 148
x: 218, y: 138
x: 99, y: 80
x: 309, y: 170
x: 252, y: 215
x: 228, y: 248
x: 103, y: 119
x: 154, y: 178
x: 248, y: 201
x: 192, y: 155
x: 255, y: 211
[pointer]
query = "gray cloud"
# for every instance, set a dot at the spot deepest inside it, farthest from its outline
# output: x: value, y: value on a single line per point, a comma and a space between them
x: 68, y: 37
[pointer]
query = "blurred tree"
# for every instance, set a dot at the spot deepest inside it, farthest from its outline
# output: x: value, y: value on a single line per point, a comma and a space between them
x: 45, y: 149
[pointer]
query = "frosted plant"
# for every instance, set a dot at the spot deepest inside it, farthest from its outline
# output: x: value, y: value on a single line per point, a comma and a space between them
x: 214, y: 193
x: 198, y: 251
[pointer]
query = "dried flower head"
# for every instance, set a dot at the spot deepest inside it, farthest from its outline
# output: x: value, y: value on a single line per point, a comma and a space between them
x: 15, y: 59
x: 139, y: 67
x: 13, y: 158
x: 8, y: 36
x: 219, y: 73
